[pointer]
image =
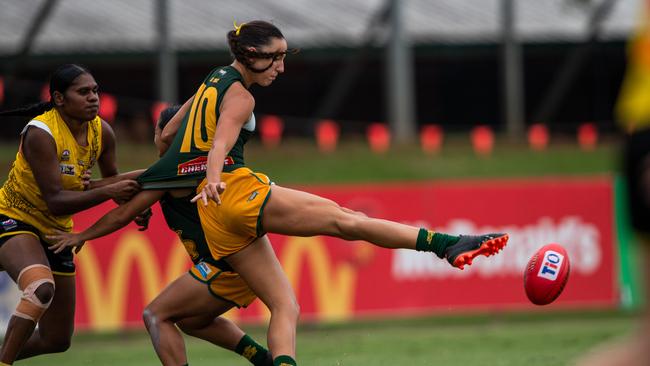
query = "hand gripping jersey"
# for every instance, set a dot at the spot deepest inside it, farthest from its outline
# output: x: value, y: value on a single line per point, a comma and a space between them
x: 20, y: 197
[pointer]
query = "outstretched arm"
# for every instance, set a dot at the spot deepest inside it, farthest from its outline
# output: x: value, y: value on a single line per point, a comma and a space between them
x: 114, y: 220
x: 39, y: 150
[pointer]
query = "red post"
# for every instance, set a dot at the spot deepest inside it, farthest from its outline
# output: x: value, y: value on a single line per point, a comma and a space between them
x: 587, y: 136
x: 378, y: 137
x: 482, y: 140
x: 156, y: 109
x: 431, y: 137
x: 271, y: 128
x: 327, y: 135
x: 107, y: 107
x: 45, y: 93
x: 538, y: 136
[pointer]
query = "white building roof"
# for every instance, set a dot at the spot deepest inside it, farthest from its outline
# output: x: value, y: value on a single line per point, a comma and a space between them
x: 107, y: 26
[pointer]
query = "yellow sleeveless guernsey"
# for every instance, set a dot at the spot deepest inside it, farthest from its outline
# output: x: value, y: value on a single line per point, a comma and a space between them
x: 20, y: 197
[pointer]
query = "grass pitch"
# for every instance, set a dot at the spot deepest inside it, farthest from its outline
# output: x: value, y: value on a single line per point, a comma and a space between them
x: 487, y: 340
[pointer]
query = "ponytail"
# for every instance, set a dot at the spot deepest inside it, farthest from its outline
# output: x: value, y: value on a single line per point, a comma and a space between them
x: 29, y: 111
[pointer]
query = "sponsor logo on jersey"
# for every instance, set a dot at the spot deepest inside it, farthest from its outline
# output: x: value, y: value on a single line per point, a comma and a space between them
x: 9, y: 224
x: 196, y: 165
x: 551, y: 265
x: 252, y: 196
x: 67, y: 169
x: 65, y: 155
x: 222, y: 72
x: 204, y: 269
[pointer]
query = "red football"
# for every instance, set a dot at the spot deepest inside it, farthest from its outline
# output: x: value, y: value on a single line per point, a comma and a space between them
x: 546, y: 274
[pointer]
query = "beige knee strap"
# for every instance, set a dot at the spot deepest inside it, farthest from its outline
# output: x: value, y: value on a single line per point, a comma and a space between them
x: 30, y: 306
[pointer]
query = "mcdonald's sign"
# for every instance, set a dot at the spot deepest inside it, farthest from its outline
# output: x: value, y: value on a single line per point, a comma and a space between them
x: 336, y: 280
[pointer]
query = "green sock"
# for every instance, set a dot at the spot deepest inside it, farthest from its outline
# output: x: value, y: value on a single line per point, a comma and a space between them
x: 252, y: 351
x: 429, y: 241
x: 284, y: 360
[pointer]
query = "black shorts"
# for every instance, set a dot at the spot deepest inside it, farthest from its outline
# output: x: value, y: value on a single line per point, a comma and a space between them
x: 61, y: 263
x: 636, y: 167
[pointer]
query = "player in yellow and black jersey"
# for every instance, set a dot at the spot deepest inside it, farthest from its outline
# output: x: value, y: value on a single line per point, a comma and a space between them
x: 49, y: 182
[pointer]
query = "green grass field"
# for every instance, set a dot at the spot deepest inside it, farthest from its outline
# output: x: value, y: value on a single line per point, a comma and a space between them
x: 486, y: 340
x: 547, y: 338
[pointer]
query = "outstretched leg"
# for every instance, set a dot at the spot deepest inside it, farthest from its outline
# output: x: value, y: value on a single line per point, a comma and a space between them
x: 297, y: 213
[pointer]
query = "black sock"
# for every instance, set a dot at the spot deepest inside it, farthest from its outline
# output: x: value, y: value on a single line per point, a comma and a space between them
x: 252, y: 351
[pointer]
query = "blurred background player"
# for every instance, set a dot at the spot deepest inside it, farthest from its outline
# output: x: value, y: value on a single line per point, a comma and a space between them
x: 46, y: 185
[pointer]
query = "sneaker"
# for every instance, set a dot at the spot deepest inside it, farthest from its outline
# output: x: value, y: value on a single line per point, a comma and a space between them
x: 471, y: 246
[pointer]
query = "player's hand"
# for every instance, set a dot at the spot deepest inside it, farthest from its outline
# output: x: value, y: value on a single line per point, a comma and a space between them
x: 143, y: 218
x: 62, y: 240
x: 123, y: 190
x: 210, y: 191
x: 85, y: 179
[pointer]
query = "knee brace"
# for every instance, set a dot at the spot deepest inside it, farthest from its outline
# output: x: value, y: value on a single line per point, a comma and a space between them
x: 30, y: 278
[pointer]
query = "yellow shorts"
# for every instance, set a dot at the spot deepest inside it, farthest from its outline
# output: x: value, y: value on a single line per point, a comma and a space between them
x: 229, y: 286
x: 236, y: 222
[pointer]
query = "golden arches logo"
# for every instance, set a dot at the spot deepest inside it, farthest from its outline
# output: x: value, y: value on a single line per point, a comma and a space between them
x: 106, y: 296
x: 334, y: 286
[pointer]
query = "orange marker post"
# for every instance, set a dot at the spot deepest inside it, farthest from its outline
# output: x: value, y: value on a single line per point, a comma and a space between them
x: 271, y: 128
x: 156, y: 109
x: 431, y: 137
x: 587, y: 136
x: 107, y: 107
x: 378, y: 137
x: 327, y: 135
x: 482, y: 140
x: 538, y: 136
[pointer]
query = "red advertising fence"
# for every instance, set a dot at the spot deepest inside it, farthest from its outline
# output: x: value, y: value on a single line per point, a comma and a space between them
x: 336, y: 280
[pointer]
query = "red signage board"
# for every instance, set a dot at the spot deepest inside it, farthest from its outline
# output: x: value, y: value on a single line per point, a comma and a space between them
x: 334, y: 279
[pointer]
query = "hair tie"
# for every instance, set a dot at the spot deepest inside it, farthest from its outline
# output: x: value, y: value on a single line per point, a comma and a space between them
x: 237, y: 28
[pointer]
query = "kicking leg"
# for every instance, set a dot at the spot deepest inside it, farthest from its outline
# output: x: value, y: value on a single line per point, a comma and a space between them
x: 297, y: 213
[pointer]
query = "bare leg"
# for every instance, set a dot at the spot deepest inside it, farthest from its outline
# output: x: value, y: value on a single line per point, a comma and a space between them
x: 259, y: 266
x: 292, y: 212
x: 55, y: 328
x: 185, y: 298
x: 16, y: 254
x: 214, y: 329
